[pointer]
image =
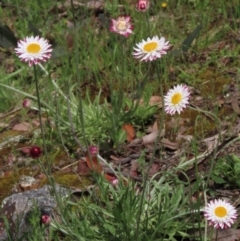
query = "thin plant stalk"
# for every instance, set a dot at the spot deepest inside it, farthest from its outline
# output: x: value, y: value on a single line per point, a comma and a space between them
x: 55, y: 84
x: 9, y: 76
x: 154, y: 150
x: 39, y: 109
x: 33, y: 98
x: 210, y: 114
x: 76, y: 57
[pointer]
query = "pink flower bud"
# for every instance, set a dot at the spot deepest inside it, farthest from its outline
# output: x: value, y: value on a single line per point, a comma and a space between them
x: 115, y: 182
x: 142, y: 5
x: 93, y: 150
x: 35, y: 151
x: 45, y: 219
x: 26, y: 103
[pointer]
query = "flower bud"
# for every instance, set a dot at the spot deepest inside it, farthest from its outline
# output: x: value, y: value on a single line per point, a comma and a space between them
x: 142, y: 5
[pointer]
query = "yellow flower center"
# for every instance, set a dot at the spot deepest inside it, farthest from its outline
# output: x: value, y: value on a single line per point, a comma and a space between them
x: 164, y: 5
x: 220, y: 212
x: 121, y: 25
x: 33, y: 48
x: 176, y: 98
x: 149, y: 47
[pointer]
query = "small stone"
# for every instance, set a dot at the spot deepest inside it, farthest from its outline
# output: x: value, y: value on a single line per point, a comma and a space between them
x: 27, y: 183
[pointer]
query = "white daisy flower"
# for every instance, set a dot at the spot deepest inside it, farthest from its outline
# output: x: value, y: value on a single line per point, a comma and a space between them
x: 176, y: 99
x: 33, y: 50
x: 220, y: 214
x: 122, y: 25
x: 151, y: 49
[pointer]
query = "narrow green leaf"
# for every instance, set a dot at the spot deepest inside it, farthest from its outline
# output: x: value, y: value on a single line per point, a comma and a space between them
x: 188, y: 41
x: 7, y: 38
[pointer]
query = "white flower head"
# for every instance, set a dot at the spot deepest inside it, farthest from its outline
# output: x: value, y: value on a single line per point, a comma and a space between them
x: 151, y: 49
x: 220, y: 214
x: 33, y: 50
x: 176, y: 99
x: 122, y: 25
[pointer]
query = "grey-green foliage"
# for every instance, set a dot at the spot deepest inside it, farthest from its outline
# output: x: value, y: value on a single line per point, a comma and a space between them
x: 116, y: 211
x: 227, y: 170
x: 102, y: 121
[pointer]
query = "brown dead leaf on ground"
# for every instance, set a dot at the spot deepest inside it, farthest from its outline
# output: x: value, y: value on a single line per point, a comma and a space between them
x: 155, y: 168
x: 83, y: 168
x: 2, y: 115
x: 128, y: 128
x: 150, y: 138
x: 219, y: 102
x: 24, y: 126
x: 153, y: 127
x: 169, y: 144
x: 234, y: 102
x: 217, y: 46
x: 134, y: 168
x: 25, y: 150
x: 37, y: 123
x: 93, y: 163
x: 225, y: 234
x: 154, y: 100
x: 92, y: 4
x: 3, y: 125
x: 109, y: 177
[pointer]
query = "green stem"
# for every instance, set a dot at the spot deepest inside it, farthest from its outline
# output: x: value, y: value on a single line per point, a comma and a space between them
x: 145, y: 177
x: 12, y: 74
x: 205, y: 225
x: 56, y: 85
x: 33, y: 98
x: 78, y: 75
x: 39, y: 109
x: 210, y: 114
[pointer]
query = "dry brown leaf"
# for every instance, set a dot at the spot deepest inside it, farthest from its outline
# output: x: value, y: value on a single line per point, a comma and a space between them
x: 150, y: 138
x: 83, y: 168
x: 226, y: 234
x: 93, y: 163
x: 109, y: 177
x: 184, y: 137
x: 114, y: 159
x: 153, y: 127
x: 134, y: 168
x: 70, y: 40
x: 2, y: 125
x: 95, y: 4
x: 176, y: 122
x: 24, y: 126
x: 154, y: 100
x: 128, y: 128
x: 36, y: 123
x: 168, y: 144
x: 135, y: 142
x: 92, y: 4
x: 155, y: 167
x: 3, y: 115
x: 234, y: 103
x: 219, y: 102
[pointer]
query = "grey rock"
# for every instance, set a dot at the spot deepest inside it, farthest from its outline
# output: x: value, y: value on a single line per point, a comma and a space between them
x: 17, y: 207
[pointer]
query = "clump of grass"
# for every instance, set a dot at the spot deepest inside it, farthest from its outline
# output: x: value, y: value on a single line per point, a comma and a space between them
x: 118, y: 213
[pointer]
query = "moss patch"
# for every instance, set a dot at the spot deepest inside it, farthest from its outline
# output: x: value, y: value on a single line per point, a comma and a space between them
x: 9, y: 180
x: 212, y: 83
x: 72, y: 180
